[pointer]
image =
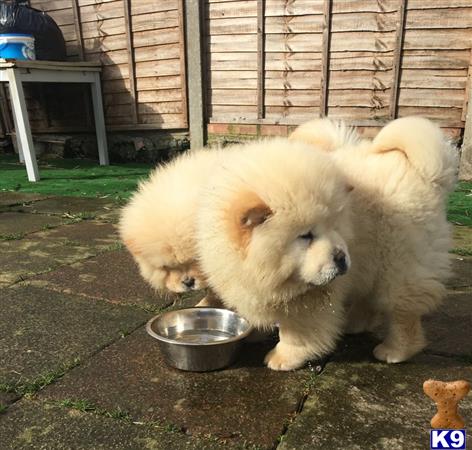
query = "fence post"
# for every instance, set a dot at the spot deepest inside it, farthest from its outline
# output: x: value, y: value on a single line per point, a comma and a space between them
x: 193, y: 45
x: 260, y: 58
x: 78, y: 29
x: 325, y: 58
x: 465, y: 171
x: 131, y: 61
x: 397, y: 59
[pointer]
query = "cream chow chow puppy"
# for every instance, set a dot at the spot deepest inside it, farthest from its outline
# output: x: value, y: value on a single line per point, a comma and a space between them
x: 157, y: 225
x: 288, y: 235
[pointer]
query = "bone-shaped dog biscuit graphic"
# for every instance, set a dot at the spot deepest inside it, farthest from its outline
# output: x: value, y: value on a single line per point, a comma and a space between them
x: 447, y: 396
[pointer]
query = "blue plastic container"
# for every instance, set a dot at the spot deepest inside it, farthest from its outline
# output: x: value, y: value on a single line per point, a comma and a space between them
x: 17, y: 46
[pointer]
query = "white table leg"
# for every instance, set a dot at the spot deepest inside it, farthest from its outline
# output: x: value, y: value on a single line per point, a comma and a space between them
x: 100, y: 121
x: 23, y: 130
x: 20, y: 150
x: 18, y: 143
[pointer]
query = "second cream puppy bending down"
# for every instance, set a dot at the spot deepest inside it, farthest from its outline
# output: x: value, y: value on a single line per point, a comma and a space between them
x: 158, y: 224
x: 286, y: 234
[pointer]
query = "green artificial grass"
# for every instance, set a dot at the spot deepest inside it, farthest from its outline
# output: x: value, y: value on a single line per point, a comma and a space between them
x: 459, y: 209
x: 75, y: 177
x: 78, y: 177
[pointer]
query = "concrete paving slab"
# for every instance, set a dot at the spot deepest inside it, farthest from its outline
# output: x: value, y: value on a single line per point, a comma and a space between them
x: 357, y: 403
x: 15, y: 225
x: 24, y: 258
x: 18, y: 198
x: 245, y: 403
x: 449, y: 328
x: 70, y: 205
x: 88, y: 233
x: 112, y: 276
x: 6, y: 398
x: 463, y: 238
x: 30, y: 425
x: 110, y: 214
x: 42, y: 330
x: 462, y: 272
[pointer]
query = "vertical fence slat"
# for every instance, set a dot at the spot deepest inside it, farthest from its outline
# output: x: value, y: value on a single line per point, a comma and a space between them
x: 80, y: 43
x: 193, y: 39
x: 325, y: 58
x: 183, y: 71
x: 465, y: 172
x: 260, y: 58
x: 78, y: 28
x: 397, y: 58
x: 467, y: 87
x: 131, y: 63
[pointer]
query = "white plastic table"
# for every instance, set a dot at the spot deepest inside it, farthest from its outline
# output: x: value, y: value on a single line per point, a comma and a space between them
x: 15, y: 73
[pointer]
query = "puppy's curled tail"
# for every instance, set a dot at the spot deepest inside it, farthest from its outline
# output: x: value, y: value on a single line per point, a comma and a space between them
x: 325, y: 134
x: 424, y: 146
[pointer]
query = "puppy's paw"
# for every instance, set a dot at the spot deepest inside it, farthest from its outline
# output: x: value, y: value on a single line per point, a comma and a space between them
x: 210, y: 301
x: 393, y: 355
x: 280, y: 358
x: 203, y: 303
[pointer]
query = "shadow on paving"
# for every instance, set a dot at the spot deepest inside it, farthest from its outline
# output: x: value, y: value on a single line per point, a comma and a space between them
x: 31, y: 425
x: 27, y: 257
x: 462, y: 273
x: 43, y: 332
x: 17, y: 198
x: 46, y: 250
x: 359, y: 403
x: 69, y: 205
x: 244, y: 403
x: 356, y: 403
x: 111, y: 276
x: 15, y: 224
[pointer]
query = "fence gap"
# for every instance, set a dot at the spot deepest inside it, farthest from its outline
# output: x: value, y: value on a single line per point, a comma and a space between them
x: 183, y: 69
x: 325, y: 57
x: 260, y: 58
x: 193, y: 40
x: 78, y: 28
x: 131, y: 60
x: 397, y: 58
x: 465, y: 172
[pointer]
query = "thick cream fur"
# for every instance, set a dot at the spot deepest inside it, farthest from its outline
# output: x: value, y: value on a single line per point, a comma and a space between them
x: 267, y: 281
x: 325, y: 134
x: 392, y: 226
x: 158, y: 224
x: 401, y: 180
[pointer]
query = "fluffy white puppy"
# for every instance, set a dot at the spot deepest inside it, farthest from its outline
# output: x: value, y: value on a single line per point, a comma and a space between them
x: 287, y: 234
x: 158, y: 224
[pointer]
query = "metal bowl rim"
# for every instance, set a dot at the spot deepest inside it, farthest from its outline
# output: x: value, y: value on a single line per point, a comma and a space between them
x: 194, y: 344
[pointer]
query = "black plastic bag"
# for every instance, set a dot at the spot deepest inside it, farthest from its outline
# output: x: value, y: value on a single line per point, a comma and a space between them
x: 15, y: 17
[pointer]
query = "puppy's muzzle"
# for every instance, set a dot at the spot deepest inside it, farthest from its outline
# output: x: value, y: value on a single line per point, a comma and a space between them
x: 189, y: 282
x: 339, y: 258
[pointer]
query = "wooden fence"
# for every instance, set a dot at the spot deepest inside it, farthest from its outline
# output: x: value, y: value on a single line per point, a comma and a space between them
x: 265, y: 62
x: 141, y: 46
x: 367, y: 61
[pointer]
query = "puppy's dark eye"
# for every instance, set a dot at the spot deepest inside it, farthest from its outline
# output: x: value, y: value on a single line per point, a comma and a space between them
x: 307, y: 236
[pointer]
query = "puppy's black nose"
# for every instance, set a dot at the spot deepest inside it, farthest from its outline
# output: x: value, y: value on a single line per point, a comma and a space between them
x: 340, y: 261
x: 189, y: 282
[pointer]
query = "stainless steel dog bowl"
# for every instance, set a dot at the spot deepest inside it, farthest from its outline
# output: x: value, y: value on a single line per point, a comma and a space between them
x: 199, y: 339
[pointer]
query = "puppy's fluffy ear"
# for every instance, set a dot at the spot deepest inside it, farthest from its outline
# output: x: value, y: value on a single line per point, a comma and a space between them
x: 132, y: 246
x: 246, y: 213
x: 255, y: 216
